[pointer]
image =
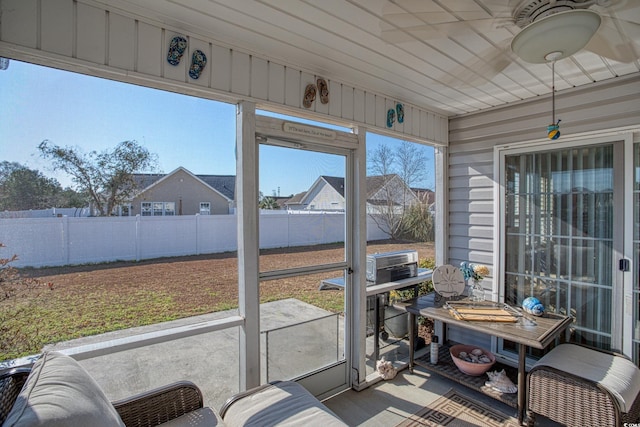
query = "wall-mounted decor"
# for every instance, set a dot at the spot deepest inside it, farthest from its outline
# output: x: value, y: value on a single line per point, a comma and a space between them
x: 309, y: 95
x: 176, y: 49
x: 198, y: 62
x: 391, y: 117
x: 323, y: 90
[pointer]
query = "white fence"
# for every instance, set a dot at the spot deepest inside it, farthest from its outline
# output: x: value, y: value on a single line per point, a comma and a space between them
x: 40, y: 242
x: 46, y: 213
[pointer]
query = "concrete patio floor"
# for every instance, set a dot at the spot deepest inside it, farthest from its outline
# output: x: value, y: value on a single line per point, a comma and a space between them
x: 210, y: 360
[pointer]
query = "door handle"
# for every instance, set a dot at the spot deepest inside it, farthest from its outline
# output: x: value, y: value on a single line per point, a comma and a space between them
x: 624, y: 264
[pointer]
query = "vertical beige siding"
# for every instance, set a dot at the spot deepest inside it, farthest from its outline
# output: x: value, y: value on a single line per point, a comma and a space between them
x: 57, y: 33
x: 91, y: 41
x: 88, y: 37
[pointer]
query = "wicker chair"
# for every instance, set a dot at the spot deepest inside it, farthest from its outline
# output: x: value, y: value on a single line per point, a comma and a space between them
x: 147, y: 409
x: 571, y: 399
x: 11, y: 383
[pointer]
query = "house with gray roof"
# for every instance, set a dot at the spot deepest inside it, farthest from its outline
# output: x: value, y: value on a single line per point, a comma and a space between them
x: 295, y: 202
x: 181, y: 192
x: 327, y: 194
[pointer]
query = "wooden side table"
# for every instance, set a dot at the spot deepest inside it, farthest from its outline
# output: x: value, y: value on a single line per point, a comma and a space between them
x: 538, y: 332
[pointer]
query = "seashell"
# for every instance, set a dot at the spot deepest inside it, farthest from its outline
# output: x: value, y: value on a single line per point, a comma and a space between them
x: 462, y: 354
x: 499, y: 381
x: 386, y: 369
x: 484, y: 359
x: 474, y: 358
x: 476, y: 351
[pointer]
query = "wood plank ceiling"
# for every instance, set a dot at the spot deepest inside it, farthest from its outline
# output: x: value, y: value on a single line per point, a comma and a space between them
x: 449, y: 56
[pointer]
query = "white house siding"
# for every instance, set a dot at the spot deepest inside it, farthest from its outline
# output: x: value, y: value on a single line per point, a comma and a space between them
x: 401, y: 195
x: 607, y: 105
x: 92, y: 38
x: 325, y: 197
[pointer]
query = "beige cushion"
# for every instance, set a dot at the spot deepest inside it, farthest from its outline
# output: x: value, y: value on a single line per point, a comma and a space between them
x: 60, y: 392
x: 286, y: 403
x: 618, y: 375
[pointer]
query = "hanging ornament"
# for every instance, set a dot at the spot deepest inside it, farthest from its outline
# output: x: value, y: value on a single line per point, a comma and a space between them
x: 553, y: 130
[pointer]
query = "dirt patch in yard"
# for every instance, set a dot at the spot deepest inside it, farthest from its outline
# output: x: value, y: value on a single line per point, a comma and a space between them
x: 92, y: 299
x: 207, y: 281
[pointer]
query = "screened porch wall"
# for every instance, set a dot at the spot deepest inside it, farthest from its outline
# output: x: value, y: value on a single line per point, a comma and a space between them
x: 605, y: 106
x: 608, y: 105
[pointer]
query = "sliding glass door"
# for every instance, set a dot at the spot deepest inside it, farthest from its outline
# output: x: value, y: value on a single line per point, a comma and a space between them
x: 564, y: 235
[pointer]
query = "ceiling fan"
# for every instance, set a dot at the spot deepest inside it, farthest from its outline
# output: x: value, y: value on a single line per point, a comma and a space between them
x: 538, y: 31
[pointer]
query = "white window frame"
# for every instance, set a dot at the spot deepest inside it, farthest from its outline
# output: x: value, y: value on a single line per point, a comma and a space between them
x: 158, y: 209
x: 146, y: 209
x: 169, y: 209
x: 127, y: 207
x: 205, y: 208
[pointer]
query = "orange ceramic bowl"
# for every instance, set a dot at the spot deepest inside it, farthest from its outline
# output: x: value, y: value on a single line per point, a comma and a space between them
x: 469, y: 368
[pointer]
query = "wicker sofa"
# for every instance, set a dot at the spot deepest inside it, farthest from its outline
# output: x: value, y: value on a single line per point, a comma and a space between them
x: 580, y: 386
x: 57, y: 391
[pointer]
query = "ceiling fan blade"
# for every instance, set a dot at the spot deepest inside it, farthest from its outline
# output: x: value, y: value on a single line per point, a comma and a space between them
x: 434, y: 12
x: 442, y: 30
x: 408, y: 20
x: 482, y: 68
x: 615, y: 6
x: 611, y: 43
x: 408, y: 34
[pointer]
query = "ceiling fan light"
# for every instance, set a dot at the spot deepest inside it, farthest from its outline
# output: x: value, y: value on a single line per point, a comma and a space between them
x: 563, y: 32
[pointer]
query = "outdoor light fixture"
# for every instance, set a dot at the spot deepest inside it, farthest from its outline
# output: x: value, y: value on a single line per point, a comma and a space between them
x: 561, y: 34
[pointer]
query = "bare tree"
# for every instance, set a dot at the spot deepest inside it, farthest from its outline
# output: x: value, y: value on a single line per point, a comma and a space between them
x: 107, y: 177
x: 391, y: 174
x: 411, y: 162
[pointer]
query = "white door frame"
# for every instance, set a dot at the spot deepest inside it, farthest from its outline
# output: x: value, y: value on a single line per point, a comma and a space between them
x: 289, y: 133
x: 622, y: 320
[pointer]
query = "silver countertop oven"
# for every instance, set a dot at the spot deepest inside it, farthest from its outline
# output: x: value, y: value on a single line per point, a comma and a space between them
x: 391, y: 266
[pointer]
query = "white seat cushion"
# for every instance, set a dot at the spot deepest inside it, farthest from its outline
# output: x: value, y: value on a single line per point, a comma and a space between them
x: 283, y: 404
x: 617, y: 375
x: 60, y: 393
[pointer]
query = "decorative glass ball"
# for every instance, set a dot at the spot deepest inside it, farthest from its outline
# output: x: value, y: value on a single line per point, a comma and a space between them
x: 532, y: 305
x: 553, y: 130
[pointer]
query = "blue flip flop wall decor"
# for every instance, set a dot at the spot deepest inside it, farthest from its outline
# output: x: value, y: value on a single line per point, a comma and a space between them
x: 391, y: 117
x: 400, y: 112
x: 198, y: 62
x: 176, y: 49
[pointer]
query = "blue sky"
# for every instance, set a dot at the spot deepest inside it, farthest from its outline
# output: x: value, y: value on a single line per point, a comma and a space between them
x: 70, y: 109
